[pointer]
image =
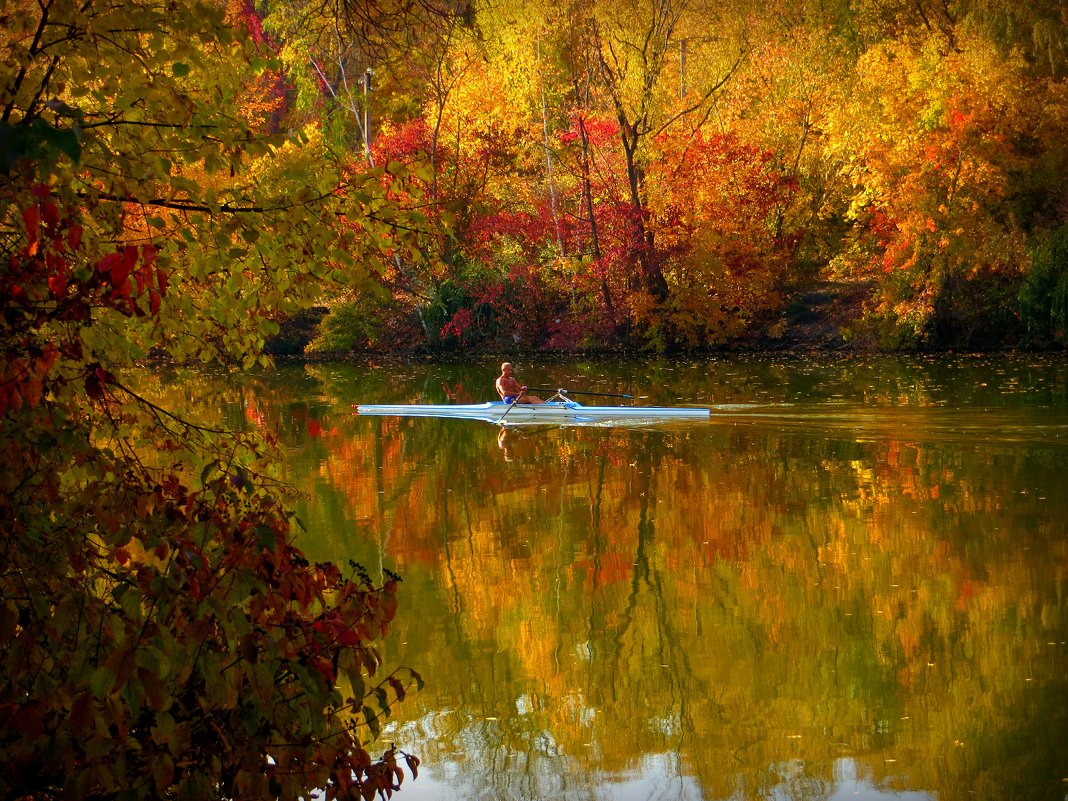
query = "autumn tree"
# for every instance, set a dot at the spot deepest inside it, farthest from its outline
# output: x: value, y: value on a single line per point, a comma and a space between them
x: 940, y: 142
x: 724, y: 247
x: 908, y: 150
x: 165, y: 634
x: 921, y: 136
x: 633, y: 45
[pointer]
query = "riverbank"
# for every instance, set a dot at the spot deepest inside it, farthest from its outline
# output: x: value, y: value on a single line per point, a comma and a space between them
x: 826, y: 316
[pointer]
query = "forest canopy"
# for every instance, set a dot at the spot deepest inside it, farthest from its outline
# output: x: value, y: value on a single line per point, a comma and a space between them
x: 680, y: 173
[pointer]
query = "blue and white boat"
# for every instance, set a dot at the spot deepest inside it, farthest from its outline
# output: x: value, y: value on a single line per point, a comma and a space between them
x: 559, y: 411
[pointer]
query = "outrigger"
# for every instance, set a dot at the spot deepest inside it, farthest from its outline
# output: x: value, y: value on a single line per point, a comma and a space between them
x: 558, y: 409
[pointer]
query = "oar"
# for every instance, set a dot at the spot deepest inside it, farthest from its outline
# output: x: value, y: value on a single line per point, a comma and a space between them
x: 576, y: 392
x: 511, y: 406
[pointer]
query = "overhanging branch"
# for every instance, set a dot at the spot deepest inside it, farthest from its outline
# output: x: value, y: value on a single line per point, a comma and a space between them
x: 704, y: 98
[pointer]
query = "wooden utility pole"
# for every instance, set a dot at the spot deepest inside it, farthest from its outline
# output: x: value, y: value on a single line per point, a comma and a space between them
x: 549, y: 155
x: 367, y: 115
x: 682, y: 69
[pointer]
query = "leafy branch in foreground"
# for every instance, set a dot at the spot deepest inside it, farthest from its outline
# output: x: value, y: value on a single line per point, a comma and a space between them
x: 165, y: 636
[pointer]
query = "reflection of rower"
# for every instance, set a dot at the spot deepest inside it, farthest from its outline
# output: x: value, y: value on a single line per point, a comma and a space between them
x: 504, y: 443
x: 520, y: 444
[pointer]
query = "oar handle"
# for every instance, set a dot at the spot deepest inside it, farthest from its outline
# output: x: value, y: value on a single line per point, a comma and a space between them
x: 577, y: 392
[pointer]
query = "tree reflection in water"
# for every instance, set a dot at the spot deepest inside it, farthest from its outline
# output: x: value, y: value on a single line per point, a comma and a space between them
x: 849, y: 583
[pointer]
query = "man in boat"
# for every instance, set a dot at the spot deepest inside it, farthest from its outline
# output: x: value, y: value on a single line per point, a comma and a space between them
x: 510, y: 390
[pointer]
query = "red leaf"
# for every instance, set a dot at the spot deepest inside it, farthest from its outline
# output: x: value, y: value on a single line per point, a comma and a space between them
x: 48, y: 357
x: 51, y: 214
x: 413, y: 765
x: 55, y: 262
x: 121, y: 269
x: 363, y: 759
x: 81, y: 711
x: 94, y: 387
x: 109, y: 261
x: 74, y: 236
x: 28, y: 721
x: 325, y: 668
x: 32, y: 217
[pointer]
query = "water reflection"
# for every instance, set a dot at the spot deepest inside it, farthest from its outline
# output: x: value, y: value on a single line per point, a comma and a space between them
x: 849, y: 583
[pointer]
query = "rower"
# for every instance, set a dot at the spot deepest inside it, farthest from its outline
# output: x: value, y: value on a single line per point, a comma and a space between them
x: 510, y: 389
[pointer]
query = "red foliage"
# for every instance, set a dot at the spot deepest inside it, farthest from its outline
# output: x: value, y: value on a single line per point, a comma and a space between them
x: 252, y: 21
x: 884, y: 226
x: 460, y: 323
x: 600, y: 131
x: 529, y: 230
x: 710, y: 220
x: 42, y: 283
x: 405, y: 143
x: 722, y: 184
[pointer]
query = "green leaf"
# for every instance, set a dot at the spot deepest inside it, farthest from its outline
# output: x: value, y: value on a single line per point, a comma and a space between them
x: 164, y: 728
x: 66, y: 141
x: 383, y: 699
x: 266, y: 536
x: 131, y: 603
x: 100, y: 682
x: 179, y: 70
x: 209, y: 468
x: 371, y: 719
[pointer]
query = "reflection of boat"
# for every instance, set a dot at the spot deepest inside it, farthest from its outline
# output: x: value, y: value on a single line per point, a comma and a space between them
x: 566, y: 411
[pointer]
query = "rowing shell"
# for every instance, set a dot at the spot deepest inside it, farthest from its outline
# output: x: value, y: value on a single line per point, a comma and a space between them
x: 553, y: 412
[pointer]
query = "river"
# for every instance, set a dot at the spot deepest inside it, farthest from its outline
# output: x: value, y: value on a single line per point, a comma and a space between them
x: 851, y: 582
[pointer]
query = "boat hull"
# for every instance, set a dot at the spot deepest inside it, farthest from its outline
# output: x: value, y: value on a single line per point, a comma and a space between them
x: 499, y: 412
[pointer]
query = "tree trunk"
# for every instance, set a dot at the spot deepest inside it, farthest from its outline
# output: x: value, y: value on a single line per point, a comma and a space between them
x: 643, y: 245
x: 587, y: 201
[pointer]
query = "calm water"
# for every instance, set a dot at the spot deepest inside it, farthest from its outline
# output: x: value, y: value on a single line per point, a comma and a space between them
x: 849, y: 584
